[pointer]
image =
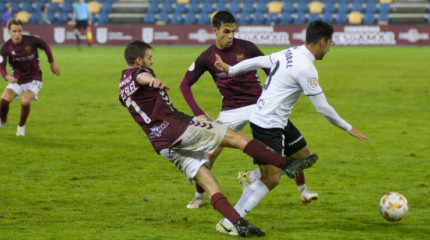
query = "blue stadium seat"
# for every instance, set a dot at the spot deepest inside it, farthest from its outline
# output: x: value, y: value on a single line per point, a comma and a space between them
x: 288, y: 7
x: 300, y: 18
x: 220, y: 6
x: 383, y: 17
x: 153, y: 7
x: 261, y: 7
x: 67, y: 7
x: 369, y: 18
x: 357, y: 7
x: 167, y: 7
x: 344, y: 1
x: 244, y: 18
x: 313, y: 16
x: 234, y: 8
x: 51, y: 17
x: 370, y: 8
x: 258, y: 18
x: 148, y: 18
x: 53, y: 7
x: 194, y: 7
x: 302, y: 7
x: 27, y: 6
x: 2, y: 7
x: 272, y: 18
x: 190, y: 18
x: 247, y: 8
x: 357, y: 1
x: 103, y: 18
x: 341, y: 18
x: 63, y: 18
x: 176, y: 18
x: 327, y: 17
x: 180, y: 8
x: 15, y: 7
x: 343, y: 7
x: 329, y: 7
x: 34, y: 18
x: 285, y: 18
x: 163, y: 17
x: 384, y: 8
x: 204, y: 18
x: 207, y: 7
x: 106, y: 7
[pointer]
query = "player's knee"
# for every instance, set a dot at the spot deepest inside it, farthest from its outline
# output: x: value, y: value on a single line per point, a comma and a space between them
x: 271, y: 179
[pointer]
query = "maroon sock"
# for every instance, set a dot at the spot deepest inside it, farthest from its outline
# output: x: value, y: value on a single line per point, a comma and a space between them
x: 25, y: 111
x: 4, y: 109
x: 199, y: 189
x: 300, y: 179
x: 221, y: 204
x: 260, y: 151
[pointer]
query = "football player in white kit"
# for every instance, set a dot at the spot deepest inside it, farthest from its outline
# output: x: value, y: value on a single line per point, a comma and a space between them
x: 292, y: 74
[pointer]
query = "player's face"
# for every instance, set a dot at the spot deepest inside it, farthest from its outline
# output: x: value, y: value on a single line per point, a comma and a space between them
x: 325, y: 47
x: 224, y: 35
x: 15, y: 33
x: 147, y: 60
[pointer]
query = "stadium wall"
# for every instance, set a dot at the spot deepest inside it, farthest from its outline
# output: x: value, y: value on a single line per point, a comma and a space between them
x: 276, y: 35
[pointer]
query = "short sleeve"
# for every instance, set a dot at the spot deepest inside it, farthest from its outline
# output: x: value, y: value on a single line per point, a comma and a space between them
x: 308, y: 80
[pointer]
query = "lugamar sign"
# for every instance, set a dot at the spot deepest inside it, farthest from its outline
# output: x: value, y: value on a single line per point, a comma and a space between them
x: 271, y: 35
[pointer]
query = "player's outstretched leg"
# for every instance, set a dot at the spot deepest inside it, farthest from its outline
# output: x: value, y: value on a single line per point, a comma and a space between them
x: 295, y: 166
x: 306, y: 195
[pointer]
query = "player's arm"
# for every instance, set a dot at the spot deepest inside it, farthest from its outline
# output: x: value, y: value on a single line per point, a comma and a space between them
x: 147, y: 79
x: 43, y: 45
x: 193, y: 74
x: 3, y: 71
x: 325, y: 109
x: 249, y: 64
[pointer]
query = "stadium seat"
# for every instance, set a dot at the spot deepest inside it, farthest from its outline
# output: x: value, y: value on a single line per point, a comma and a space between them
x: 2, y: 7
x: 247, y: 7
x: 288, y: 7
x: 220, y: 6
x: 274, y: 7
x: 341, y: 18
x: 193, y: 7
x: 234, y: 8
x: 244, y: 18
x: 258, y: 18
x: 148, y: 18
x: 176, y: 18
x: 183, y: 1
x: 370, y: 8
x: 51, y: 17
x: 204, y: 18
x: 355, y: 18
x: 329, y: 8
x: 315, y: 7
x: 180, y: 8
x: 300, y: 18
x: 383, y: 18
x: 63, y: 18
x: 261, y: 7
x: 302, y: 7
x: 327, y: 17
x: 357, y: 7
x: 385, y: 1
x: 67, y: 7
x: 190, y: 18
x: 313, y: 16
x: 94, y: 6
x: 103, y: 18
x: 106, y: 7
x: 272, y: 18
x: 285, y: 18
x: 15, y: 7
x: 53, y: 7
x: 163, y: 17
x: 34, y: 18
x: 24, y: 16
x: 357, y: 1
x: 384, y: 8
x: 167, y: 7
x: 343, y: 8
x: 27, y: 6
x: 153, y: 7
x: 207, y: 7
x: 369, y: 18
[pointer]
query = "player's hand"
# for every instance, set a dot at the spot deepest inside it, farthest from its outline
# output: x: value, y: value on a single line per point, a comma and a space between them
x: 220, y: 64
x: 55, y: 69
x: 355, y: 133
x: 157, y: 83
x: 11, y: 79
x: 205, y: 116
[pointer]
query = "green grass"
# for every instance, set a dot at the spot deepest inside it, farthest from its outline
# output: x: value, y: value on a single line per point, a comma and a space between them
x: 85, y: 170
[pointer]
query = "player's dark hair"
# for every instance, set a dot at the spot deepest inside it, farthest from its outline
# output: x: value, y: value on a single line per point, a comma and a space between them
x: 134, y: 50
x: 317, y: 30
x: 13, y: 21
x: 222, y: 17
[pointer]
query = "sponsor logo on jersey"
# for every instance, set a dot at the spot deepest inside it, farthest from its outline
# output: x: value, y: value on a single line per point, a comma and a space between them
x: 157, y: 130
x: 28, y: 49
x: 312, y: 82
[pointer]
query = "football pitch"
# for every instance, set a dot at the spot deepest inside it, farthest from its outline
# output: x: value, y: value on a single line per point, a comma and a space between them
x: 85, y: 170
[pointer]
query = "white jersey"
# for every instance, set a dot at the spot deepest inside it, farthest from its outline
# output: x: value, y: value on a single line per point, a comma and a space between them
x: 293, y: 73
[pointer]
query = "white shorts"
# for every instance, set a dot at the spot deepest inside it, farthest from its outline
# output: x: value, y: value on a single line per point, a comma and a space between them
x: 188, y: 152
x: 33, y: 86
x: 237, y: 118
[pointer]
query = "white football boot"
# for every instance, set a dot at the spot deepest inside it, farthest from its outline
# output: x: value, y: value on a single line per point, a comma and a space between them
x: 308, y: 196
x: 20, y: 131
x: 226, y: 227
x: 196, y: 202
x: 2, y: 124
x: 244, y: 179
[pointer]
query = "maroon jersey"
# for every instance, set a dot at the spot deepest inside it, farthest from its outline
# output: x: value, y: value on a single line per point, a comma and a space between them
x: 152, y: 110
x: 24, y: 59
x: 237, y: 90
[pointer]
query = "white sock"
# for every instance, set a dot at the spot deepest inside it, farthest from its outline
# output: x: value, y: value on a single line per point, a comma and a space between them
x: 250, y: 198
x: 302, y: 188
x: 254, y: 175
x: 200, y: 195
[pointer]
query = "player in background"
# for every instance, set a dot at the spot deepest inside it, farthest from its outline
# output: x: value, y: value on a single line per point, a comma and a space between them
x: 81, y: 18
x: 26, y: 77
x: 292, y: 74
x: 240, y: 92
x: 184, y: 140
